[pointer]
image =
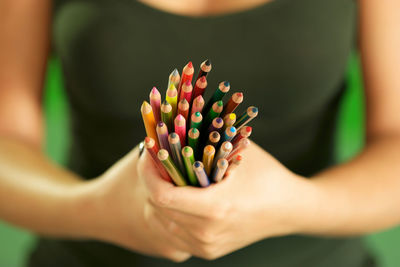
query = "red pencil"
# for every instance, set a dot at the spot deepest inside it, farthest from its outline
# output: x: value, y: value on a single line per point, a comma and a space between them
x: 198, y: 105
x: 155, y: 102
x: 187, y: 75
x: 186, y: 92
x: 183, y: 108
x: 233, y: 103
x: 237, y: 148
x: 245, y: 132
x: 235, y: 161
x: 200, y: 87
x: 180, y: 128
x: 152, y: 148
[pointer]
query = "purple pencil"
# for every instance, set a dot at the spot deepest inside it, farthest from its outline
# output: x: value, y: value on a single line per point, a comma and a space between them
x: 162, y: 133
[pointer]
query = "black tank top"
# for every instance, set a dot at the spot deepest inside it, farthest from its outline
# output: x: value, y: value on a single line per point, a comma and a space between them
x: 288, y: 56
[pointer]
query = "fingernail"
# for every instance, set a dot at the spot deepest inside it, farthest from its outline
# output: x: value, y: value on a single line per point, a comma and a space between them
x: 141, y: 148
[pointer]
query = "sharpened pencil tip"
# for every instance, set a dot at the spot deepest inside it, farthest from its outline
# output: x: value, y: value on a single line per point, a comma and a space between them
x: 190, y: 64
x: 202, y: 79
x: 207, y: 62
x: 188, y: 83
x: 227, y: 84
x: 175, y: 72
x: 197, y: 164
x: 218, y: 120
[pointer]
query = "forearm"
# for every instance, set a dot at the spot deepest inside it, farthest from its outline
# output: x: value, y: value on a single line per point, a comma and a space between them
x: 36, y: 194
x: 360, y: 196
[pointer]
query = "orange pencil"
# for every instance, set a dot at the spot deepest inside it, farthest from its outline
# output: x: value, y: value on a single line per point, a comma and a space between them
x: 149, y: 121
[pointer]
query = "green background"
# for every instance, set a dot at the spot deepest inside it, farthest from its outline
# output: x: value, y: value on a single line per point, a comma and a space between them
x: 14, y: 242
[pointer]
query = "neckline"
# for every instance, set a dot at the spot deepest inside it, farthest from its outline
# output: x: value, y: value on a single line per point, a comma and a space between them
x: 236, y: 14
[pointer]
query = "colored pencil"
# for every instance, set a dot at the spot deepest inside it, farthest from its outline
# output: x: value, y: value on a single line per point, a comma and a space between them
x: 245, y: 132
x: 228, y: 134
x: 214, y: 112
x: 174, y: 78
x: 186, y: 92
x: 220, y: 169
x: 216, y: 125
x: 223, y: 151
x: 246, y: 117
x: 239, y: 147
x: 198, y: 104
x: 208, y: 158
x: 172, y: 98
x: 180, y: 128
x: 193, y: 139
x: 183, y: 108
x: 169, y: 165
x: 233, y: 163
x: 175, y: 147
x: 205, y: 68
x: 195, y: 120
x: 219, y: 93
x: 149, y: 121
x: 155, y: 102
x: 166, y: 114
x: 187, y: 75
x: 152, y: 148
x: 200, y: 87
x: 213, y: 138
x: 233, y: 103
x: 201, y: 174
x: 162, y: 133
x: 229, y: 120
x: 188, y: 159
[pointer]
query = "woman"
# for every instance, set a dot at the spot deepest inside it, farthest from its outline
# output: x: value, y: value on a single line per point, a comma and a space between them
x: 288, y: 56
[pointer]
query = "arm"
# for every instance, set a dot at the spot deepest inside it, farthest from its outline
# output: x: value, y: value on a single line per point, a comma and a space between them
x: 357, y: 197
x: 45, y: 198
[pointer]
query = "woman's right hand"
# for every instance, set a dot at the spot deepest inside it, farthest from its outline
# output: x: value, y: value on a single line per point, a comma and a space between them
x: 115, y: 209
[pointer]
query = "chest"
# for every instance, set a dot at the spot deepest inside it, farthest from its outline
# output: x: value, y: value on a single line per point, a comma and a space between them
x: 288, y: 57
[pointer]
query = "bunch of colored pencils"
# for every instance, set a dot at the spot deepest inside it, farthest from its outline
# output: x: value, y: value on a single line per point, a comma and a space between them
x: 193, y: 142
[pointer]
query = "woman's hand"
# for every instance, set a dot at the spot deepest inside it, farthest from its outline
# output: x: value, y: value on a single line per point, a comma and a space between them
x: 116, y: 209
x: 260, y: 199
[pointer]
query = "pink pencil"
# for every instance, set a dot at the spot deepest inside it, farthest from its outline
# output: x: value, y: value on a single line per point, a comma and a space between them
x: 198, y: 105
x: 180, y: 128
x: 155, y: 102
x: 242, y: 144
x: 186, y: 92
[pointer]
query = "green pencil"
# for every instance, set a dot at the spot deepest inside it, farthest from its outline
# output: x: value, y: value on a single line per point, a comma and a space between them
x: 169, y: 165
x: 195, y: 120
x: 188, y: 159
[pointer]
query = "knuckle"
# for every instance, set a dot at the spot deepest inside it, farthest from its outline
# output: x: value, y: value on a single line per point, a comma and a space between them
x: 160, y: 198
x: 219, y: 212
x: 206, y: 237
x: 208, y: 252
x: 176, y: 256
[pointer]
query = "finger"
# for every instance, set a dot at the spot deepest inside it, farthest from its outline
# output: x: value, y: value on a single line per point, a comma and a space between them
x: 187, y: 199
x: 184, y: 220
x: 170, y: 241
x: 177, y: 231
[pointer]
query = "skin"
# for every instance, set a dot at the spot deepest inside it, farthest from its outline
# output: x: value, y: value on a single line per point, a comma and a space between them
x: 131, y: 206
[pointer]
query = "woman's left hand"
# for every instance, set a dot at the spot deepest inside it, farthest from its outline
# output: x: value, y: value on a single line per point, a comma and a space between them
x: 259, y: 199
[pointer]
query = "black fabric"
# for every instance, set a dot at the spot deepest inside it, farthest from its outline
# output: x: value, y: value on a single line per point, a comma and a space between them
x: 288, y: 56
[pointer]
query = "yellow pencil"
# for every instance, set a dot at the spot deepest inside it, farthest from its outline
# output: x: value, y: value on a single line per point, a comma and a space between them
x: 172, y: 98
x: 208, y: 158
